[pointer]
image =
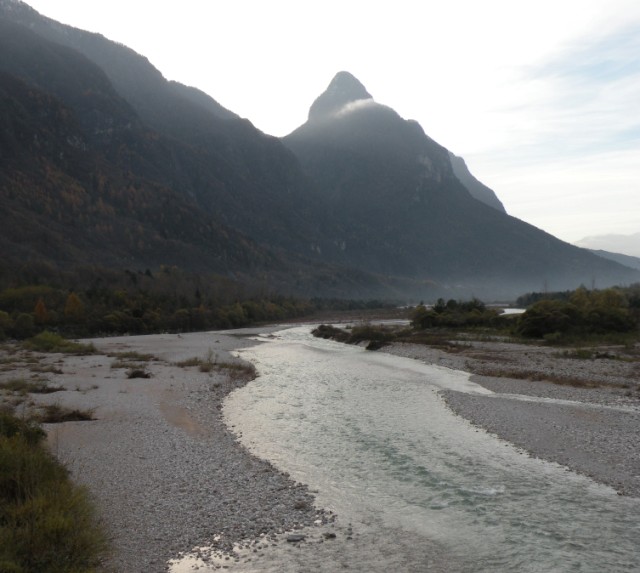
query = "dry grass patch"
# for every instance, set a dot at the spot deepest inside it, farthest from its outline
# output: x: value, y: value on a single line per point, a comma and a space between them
x: 238, y: 370
x: 235, y: 370
x: 22, y: 386
x: 195, y: 361
x: 557, y: 379
x: 47, y: 523
x: 133, y: 355
x: 51, y: 342
x: 57, y: 414
x: 138, y: 373
x: 131, y: 360
x: 45, y: 369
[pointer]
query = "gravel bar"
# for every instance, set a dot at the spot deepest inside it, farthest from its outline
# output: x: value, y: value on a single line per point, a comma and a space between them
x: 166, y: 473
x: 169, y: 477
x: 581, y: 413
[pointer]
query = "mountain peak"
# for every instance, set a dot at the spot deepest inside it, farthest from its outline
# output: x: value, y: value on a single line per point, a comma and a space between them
x: 344, y: 88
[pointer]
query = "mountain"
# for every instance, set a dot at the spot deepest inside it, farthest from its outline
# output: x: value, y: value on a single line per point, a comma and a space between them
x: 477, y: 189
x: 405, y: 205
x: 626, y: 260
x: 105, y: 162
x: 625, y: 244
x: 224, y: 164
x: 85, y: 180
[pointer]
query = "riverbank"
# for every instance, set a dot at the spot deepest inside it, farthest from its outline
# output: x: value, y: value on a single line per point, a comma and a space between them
x: 166, y: 474
x: 579, y: 409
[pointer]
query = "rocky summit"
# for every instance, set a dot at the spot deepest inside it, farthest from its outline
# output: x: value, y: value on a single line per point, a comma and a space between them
x: 107, y: 164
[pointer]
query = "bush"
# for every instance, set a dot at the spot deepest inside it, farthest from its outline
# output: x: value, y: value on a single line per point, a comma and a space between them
x: 23, y: 326
x: 11, y: 426
x: 46, y: 522
x: 456, y: 314
x: 585, y: 313
x: 51, y: 342
x: 56, y: 414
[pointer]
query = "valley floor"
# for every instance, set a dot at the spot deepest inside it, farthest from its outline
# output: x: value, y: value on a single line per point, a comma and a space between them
x: 167, y: 474
x: 583, y: 413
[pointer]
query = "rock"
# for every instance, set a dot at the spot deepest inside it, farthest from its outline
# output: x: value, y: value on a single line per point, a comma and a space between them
x: 329, y: 535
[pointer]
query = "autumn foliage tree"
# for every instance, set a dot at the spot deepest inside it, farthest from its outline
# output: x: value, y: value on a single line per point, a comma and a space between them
x: 40, y: 313
x: 584, y: 313
x: 73, y: 308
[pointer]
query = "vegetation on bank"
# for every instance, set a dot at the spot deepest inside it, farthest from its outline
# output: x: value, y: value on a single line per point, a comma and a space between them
x: 168, y: 300
x: 47, y: 523
x: 609, y: 315
x: 584, y: 314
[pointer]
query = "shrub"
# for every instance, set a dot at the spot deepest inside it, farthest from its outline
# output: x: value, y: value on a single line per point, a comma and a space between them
x: 11, y: 426
x: 456, y: 314
x: 46, y: 522
x: 585, y: 313
x: 48, y: 341
x: 327, y: 331
x: 138, y: 373
x: 56, y: 414
x: 23, y: 386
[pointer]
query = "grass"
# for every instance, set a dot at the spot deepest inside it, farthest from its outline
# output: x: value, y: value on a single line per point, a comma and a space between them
x: 138, y: 373
x: 194, y: 361
x: 131, y: 360
x: 132, y: 355
x: 206, y: 364
x: 56, y: 414
x: 587, y: 354
x: 51, y: 342
x: 45, y: 369
x: 235, y: 370
x: 22, y: 386
x: 209, y: 362
x: 47, y: 523
x: 238, y: 370
x: 553, y: 378
x: 124, y: 364
x: 378, y: 336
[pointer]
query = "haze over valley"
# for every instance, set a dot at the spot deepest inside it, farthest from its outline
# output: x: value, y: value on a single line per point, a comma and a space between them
x: 337, y: 347
x: 108, y: 162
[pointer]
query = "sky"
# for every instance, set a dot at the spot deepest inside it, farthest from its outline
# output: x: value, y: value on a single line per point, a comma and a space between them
x: 541, y: 99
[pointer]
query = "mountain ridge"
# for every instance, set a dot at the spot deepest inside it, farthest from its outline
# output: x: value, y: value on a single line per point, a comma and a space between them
x: 139, y: 171
x: 400, y: 186
x: 628, y: 245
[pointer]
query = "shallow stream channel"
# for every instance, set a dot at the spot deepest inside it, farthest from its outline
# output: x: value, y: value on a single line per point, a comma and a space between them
x: 415, y: 487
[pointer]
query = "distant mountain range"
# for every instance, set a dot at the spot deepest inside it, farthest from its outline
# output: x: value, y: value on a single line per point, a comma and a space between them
x: 626, y: 260
x: 625, y: 244
x: 105, y: 162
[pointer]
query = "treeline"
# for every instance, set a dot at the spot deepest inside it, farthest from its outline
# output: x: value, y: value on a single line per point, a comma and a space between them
x: 149, y: 302
x: 583, y: 313
x: 553, y: 316
x: 454, y: 313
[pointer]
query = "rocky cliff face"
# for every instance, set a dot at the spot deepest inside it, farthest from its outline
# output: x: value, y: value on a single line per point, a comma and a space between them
x: 409, y: 207
x: 105, y: 161
x: 477, y: 189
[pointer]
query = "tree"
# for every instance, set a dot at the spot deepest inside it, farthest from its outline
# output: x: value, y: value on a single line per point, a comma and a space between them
x: 73, y: 307
x: 40, y: 312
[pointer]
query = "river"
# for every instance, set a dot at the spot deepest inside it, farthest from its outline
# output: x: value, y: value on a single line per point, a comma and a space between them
x: 416, y: 487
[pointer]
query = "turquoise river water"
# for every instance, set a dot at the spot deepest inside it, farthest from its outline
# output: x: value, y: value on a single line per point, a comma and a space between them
x: 420, y: 488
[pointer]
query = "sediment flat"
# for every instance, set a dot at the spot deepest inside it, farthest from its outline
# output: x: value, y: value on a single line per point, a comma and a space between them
x: 168, y: 476
x: 583, y: 413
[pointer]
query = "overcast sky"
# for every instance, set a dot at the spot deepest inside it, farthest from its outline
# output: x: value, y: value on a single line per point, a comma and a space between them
x: 542, y: 99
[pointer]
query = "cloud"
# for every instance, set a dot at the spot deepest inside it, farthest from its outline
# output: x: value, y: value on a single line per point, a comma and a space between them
x: 355, y: 106
x: 589, y: 94
x: 625, y: 244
